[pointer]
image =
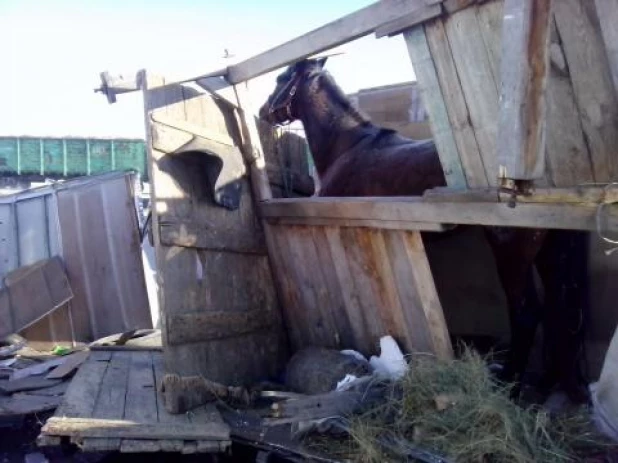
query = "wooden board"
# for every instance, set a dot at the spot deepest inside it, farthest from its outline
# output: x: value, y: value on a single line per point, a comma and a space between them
x: 71, y: 363
x: 113, y: 405
x: 523, y: 84
x: 350, y: 27
x: 433, y: 98
x: 593, y: 88
x: 457, y: 110
x: 209, y: 259
x: 532, y: 215
x: 348, y: 287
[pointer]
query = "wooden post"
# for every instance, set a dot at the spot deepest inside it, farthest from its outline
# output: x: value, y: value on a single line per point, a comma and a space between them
x: 524, y: 70
x: 252, y: 145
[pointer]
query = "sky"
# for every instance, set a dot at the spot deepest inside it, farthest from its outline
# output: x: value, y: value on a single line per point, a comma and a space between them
x: 54, y: 50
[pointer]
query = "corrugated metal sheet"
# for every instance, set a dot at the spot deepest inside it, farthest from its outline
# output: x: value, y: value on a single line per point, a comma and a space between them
x: 70, y: 157
x: 93, y: 225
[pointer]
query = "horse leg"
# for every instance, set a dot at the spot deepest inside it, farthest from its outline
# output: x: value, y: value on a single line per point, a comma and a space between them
x: 563, y: 268
x: 514, y: 251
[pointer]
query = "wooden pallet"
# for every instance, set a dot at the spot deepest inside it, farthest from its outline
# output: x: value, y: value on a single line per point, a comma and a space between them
x: 113, y: 404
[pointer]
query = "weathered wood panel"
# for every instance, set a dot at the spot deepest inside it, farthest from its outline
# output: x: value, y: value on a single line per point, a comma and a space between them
x: 347, y: 287
x: 479, y: 87
x: 567, y: 155
x: 590, y: 73
x: 445, y: 133
x: 465, y: 56
x: 209, y: 259
x: 524, y: 74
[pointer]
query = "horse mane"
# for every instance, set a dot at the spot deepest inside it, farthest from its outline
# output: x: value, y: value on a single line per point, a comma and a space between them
x: 342, y: 100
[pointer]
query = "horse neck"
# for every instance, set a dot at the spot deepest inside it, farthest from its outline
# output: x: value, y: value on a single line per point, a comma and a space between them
x: 331, y: 130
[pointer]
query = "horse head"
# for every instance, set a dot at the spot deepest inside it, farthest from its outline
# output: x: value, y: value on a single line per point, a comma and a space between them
x: 282, y: 106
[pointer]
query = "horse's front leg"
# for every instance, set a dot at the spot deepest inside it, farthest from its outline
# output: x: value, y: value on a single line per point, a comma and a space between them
x: 514, y: 251
x: 563, y: 268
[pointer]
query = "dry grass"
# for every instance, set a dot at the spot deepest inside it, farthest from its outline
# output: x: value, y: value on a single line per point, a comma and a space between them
x: 456, y: 410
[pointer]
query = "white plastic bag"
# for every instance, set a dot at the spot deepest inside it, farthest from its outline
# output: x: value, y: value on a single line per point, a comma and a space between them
x: 604, y: 393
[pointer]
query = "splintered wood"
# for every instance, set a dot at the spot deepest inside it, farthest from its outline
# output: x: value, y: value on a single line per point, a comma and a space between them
x: 113, y: 404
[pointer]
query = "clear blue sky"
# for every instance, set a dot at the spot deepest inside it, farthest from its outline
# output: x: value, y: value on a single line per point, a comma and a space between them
x: 54, y: 50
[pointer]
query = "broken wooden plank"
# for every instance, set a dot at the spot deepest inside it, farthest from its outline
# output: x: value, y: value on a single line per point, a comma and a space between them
x: 319, y: 406
x: 32, y: 292
x: 125, y: 348
x: 524, y: 71
x: 37, y: 369
x: 25, y: 404
x: 29, y: 383
x: 72, y: 362
x: 97, y: 427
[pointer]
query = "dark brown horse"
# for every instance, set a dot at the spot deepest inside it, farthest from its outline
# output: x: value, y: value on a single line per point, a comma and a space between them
x: 354, y: 157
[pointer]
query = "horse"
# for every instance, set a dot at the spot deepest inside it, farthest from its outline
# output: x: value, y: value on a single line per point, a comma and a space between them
x: 355, y: 157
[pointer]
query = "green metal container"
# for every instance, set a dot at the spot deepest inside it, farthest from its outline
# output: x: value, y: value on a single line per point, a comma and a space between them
x: 71, y: 157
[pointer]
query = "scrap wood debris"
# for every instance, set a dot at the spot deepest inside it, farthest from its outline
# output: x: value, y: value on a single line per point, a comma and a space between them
x: 35, y: 382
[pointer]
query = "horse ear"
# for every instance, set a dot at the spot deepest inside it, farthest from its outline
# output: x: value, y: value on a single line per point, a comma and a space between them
x: 322, y: 61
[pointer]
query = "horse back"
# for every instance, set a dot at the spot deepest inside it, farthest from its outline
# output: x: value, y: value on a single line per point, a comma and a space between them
x: 384, y: 164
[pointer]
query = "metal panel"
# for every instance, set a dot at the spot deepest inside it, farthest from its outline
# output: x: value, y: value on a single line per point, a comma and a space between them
x: 92, y: 224
x: 62, y: 157
x: 32, y: 230
x: 8, y: 254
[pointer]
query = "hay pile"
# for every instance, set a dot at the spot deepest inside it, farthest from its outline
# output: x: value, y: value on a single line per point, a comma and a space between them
x: 454, y: 409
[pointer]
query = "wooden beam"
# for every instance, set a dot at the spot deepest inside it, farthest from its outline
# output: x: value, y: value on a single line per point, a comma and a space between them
x: 113, y: 85
x: 418, y: 16
x: 524, y: 70
x: 252, y: 145
x: 405, y: 209
x: 591, y: 195
x: 94, y: 427
x: 353, y: 26
x: 352, y: 223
